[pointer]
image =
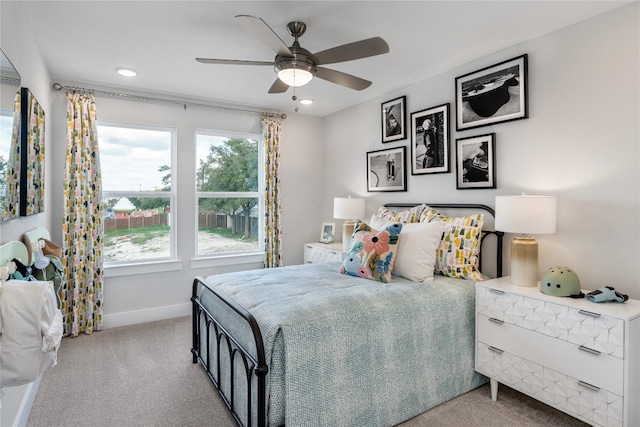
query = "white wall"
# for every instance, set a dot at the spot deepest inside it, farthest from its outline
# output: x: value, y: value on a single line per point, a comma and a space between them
x: 19, y: 44
x: 580, y: 143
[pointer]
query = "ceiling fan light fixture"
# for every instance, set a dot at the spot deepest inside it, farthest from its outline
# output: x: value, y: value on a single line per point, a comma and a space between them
x: 295, y: 78
x: 295, y: 73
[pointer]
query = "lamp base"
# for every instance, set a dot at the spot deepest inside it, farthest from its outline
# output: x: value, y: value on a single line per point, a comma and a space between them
x: 347, y: 231
x: 524, y: 261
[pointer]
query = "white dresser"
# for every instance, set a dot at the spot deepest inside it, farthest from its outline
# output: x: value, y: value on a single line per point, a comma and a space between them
x: 323, y: 252
x: 580, y: 357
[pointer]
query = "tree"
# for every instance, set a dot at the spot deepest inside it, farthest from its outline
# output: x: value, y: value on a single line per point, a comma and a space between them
x: 230, y: 167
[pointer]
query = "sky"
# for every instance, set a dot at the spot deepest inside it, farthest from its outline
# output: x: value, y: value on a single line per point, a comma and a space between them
x: 130, y: 157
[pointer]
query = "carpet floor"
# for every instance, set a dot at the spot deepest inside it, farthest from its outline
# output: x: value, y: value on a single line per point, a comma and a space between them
x: 142, y: 375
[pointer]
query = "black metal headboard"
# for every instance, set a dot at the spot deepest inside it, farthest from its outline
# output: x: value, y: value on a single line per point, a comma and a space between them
x: 467, y: 206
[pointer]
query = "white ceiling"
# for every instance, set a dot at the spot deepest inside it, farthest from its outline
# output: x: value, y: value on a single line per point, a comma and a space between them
x: 84, y: 41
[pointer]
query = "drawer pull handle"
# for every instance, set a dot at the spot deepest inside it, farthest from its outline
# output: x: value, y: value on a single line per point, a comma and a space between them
x: 496, y: 291
x: 589, y: 313
x: 494, y: 320
x: 497, y: 350
x: 589, y: 386
x: 589, y: 350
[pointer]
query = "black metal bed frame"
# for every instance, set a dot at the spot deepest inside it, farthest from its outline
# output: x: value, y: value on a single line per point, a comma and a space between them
x: 255, y: 365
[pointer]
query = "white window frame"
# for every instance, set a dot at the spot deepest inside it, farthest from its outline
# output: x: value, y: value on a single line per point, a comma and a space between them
x: 227, y: 258
x: 159, y: 264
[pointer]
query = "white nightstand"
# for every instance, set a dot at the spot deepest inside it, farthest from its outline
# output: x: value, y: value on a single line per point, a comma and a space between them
x: 580, y: 357
x: 323, y: 252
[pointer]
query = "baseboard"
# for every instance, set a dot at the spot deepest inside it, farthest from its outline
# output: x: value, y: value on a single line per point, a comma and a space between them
x: 148, y: 315
x: 17, y: 403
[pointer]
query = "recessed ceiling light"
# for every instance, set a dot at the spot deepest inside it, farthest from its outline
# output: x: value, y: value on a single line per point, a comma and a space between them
x: 306, y: 101
x: 127, y: 72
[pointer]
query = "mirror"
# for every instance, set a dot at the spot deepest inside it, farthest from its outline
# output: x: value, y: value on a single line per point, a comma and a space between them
x: 32, y: 158
x: 10, y: 161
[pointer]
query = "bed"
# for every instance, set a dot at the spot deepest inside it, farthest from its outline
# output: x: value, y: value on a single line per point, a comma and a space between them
x: 310, y: 345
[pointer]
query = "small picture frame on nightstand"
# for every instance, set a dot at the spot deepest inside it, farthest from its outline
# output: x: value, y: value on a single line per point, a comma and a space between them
x: 327, y: 235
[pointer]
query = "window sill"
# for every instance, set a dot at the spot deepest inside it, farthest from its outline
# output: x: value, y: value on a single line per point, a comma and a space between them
x: 142, y: 268
x: 224, y: 260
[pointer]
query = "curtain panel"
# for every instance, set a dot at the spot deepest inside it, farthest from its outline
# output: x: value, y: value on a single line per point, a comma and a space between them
x: 82, y: 296
x: 35, y: 157
x: 271, y: 132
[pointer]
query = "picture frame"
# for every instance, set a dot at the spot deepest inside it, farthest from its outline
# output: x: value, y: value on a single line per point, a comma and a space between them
x: 475, y: 162
x: 386, y: 170
x: 394, y: 120
x: 430, y: 148
x: 328, y: 232
x: 493, y: 94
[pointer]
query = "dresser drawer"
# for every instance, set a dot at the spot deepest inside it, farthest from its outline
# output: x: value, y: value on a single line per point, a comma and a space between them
x: 597, y: 369
x: 569, y: 394
x: 583, y: 328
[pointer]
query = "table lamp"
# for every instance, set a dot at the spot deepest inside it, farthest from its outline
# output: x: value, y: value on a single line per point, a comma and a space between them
x: 525, y: 215
x: 347, y: 209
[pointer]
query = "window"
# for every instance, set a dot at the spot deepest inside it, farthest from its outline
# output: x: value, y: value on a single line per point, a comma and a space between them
x: 137, y: 194
x: 229, y: 176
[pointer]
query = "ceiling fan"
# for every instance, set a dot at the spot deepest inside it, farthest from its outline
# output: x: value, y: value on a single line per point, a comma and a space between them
x: 296, y: 66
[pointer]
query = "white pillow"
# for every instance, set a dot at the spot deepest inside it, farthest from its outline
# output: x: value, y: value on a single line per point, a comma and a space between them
x: 416, y: 250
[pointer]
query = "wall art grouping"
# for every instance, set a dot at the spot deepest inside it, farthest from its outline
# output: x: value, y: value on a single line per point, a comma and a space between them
x: 491, y: 95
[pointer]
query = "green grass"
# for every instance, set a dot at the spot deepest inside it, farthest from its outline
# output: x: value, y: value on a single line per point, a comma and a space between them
x: 138, y: 236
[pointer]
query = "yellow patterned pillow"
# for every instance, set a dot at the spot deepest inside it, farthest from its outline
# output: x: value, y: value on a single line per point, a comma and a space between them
x: 459, y: 250
x: 408, y: 216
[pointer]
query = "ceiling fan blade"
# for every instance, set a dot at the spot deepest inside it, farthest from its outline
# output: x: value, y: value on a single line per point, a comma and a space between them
x: 231, y: 61
x: 278, y: 87
x: 342, y: 79
x: 262, y: 31
x: 356, y: 50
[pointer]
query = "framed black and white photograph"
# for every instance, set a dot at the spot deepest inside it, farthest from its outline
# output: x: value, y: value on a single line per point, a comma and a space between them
x: 394, y: 120
x: 430, y: 140
x: 327, y: 235
x: 386, y: 170
x: 475, y: 162
x: 492, y: 95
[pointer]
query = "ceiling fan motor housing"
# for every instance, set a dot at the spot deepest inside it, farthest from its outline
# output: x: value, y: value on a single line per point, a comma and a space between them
x: 301, y: 60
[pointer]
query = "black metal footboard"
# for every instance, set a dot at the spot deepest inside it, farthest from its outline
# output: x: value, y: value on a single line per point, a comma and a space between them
x: 207, y: 328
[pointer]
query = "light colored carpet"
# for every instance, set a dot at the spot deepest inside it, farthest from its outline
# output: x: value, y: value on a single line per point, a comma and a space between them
x: 142, y: 375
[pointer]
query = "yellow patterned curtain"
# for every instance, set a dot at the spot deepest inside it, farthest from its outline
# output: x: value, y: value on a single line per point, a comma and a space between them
x: 82, y: 223
x: 35, y: 157
x: 11, y: 208
x: 271, y: 130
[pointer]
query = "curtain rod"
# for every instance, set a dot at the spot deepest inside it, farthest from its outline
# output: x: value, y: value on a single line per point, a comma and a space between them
x: 57, y: 86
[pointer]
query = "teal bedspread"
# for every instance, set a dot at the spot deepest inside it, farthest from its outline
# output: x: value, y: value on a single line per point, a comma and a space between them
x: 346, y: 351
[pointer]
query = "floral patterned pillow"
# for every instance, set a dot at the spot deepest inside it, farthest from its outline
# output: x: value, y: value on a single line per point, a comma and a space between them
x: 459, y: 250
x: 372, y: 253
x: 408, y: 216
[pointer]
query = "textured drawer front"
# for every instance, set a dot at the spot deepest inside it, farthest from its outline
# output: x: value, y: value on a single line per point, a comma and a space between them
x: 562, y: 391
x: 601, y: 370
x: 601, y: 333
x: 320, y: 255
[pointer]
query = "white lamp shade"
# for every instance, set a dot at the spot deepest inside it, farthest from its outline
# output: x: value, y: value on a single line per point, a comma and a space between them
x: 526, y: 214
x: 295, y: 77
x: 348, y: 208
